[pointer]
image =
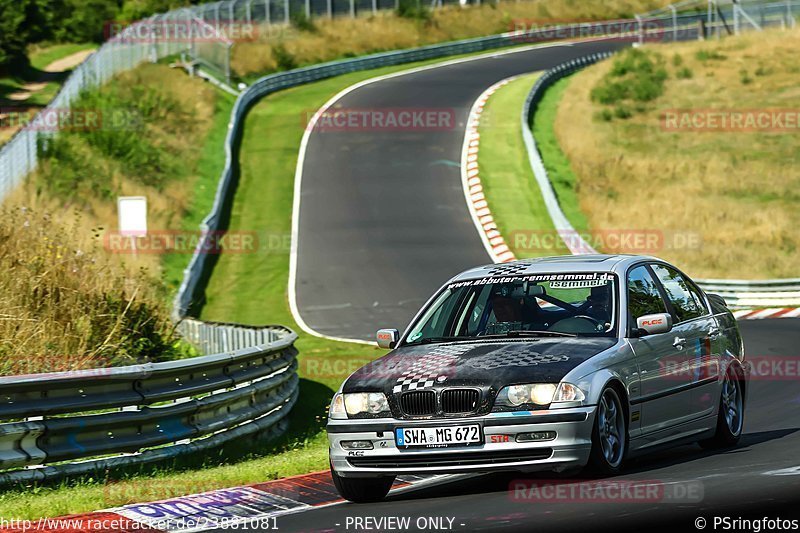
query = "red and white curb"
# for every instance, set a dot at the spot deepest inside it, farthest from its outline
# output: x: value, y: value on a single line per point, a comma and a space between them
x: 258, y: 504
x: 473, y: 189
x: 775, y: 312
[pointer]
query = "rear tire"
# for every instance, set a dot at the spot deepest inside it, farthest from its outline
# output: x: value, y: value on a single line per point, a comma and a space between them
x: 730, y: 419
x: 362, y: 489
x: 609, y: 435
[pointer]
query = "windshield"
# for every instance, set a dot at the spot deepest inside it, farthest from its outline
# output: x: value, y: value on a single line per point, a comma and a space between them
x: 574, y: 304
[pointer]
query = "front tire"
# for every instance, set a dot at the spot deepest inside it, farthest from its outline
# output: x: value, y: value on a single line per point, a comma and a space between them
x: 609, y: 435
x: 730, y: 419
x: 362, y: 490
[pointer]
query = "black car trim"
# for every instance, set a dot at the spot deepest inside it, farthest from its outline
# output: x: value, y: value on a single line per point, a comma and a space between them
x: 451, y: 459
x: 516, y: 420
x: 676, y: 390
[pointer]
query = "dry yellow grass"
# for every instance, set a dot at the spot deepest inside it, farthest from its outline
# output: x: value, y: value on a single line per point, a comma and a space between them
x: 66, y: 305
x: 343, y: 37
x: 737, y: 191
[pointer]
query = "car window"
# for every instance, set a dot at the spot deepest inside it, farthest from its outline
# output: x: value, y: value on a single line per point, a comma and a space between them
x: 686, y: 304
x: 643, y: 295
x: 578, y: 303
x: 698, y: 297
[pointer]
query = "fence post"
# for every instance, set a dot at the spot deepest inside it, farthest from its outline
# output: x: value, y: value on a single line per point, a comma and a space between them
x: 641, y: 29
x: 330, y: 9
x: 286, y: 11
x: 308, y: 9
x: 374, y: 7
x: 352, y: 9
x: 248, y: 11
x: 267, y: 12
x: 674, y: 22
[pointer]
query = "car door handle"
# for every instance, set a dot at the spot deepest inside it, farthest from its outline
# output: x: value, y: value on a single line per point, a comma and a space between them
x: 713, y: 333
x: 679, y: 342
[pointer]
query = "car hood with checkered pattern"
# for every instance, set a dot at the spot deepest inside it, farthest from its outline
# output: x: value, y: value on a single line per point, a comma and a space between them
x: 485, y: 364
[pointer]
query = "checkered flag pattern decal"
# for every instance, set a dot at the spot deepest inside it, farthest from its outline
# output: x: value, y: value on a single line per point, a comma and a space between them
x: 514, y: 356
x: 424, y: 372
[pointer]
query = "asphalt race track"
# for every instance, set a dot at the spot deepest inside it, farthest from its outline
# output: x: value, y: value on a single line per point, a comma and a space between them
x: 760, y: 477
x: 383, y: 221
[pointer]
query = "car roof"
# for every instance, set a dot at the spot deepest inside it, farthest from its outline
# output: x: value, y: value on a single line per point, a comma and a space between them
x: 614, y: 263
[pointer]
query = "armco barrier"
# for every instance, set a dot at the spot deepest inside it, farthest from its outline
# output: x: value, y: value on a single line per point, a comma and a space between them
x: 159, y: 409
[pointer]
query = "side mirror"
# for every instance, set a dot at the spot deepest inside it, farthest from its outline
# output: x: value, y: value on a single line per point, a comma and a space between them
x: 655, y: 323
x: 387, y: 338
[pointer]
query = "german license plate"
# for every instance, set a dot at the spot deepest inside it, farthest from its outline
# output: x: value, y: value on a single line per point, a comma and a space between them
x: 438, y: 437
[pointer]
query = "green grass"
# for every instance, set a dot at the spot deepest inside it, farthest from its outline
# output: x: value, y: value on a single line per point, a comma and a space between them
x: 556, y: 162
x: 41, y: 57
x: 508, y: 182
x: 209, y: 168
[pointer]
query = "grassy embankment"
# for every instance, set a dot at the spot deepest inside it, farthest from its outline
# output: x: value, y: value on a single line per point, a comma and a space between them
x: 309, y: 42
x: 735, y: 191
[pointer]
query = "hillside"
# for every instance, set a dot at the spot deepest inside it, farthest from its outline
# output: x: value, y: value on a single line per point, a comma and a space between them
x: 698, y: 142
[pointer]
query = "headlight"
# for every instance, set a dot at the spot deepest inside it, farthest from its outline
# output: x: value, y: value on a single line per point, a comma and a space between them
x: 534, y: 393
x: 539, y: 394
x: 567, y: 392
x: 359, y: 405
x: 337, y: 411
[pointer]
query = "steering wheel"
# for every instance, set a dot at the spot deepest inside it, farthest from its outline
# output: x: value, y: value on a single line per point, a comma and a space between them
x: 577, y: 324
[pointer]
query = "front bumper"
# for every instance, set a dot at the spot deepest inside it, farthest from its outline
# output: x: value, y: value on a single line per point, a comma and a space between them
x: 569, y: 449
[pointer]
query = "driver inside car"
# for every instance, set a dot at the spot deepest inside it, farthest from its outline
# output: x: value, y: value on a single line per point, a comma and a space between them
x: 513, y: 308
x: 598, y: 303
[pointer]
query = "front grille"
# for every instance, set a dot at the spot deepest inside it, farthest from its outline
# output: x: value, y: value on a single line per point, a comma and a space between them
x: 459, y: 400
x: 418, y: 403
x: 433, y: 460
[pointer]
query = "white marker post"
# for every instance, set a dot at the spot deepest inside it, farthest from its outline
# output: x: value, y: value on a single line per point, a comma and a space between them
x: 132, y: 212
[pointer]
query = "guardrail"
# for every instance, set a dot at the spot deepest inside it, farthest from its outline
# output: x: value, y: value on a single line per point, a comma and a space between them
x: 745, y: 294
x: 152, y: 411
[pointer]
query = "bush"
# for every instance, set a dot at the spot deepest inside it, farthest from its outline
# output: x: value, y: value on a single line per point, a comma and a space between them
x: 635, y: 75
x: 283, y: 57
x: 413, y: 9
x: 709, y: 55
x: 302, y: 22
x: 744, y: 77
x: 684, y: 73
